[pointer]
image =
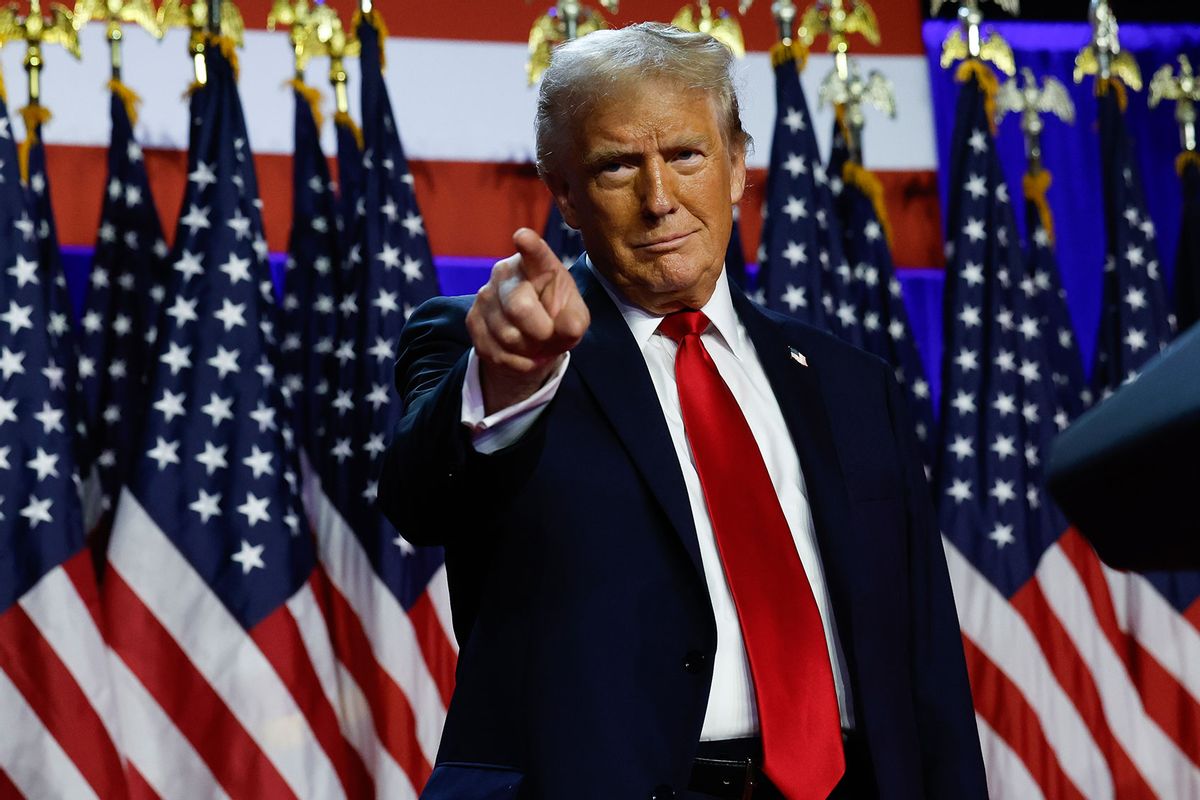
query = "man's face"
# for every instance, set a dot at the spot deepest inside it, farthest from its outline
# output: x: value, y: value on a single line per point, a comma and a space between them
x: 650, y: 183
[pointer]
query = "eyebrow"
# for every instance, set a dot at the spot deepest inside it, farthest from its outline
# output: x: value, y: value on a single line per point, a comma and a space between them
x: 617, y: 153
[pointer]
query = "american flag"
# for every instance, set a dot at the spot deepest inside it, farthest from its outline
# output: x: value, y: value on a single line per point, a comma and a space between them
x: 879, y: 308
x: 349, y: 160
x: 1187, y: 259
x: 1043, y: 281
x: 310, y: 296
x: 60, y: 724
x: 64, y: 354
x: 389, y: 602
x: 1069, y: 702
x: 120, y: 314
x: 223, y: 668
x: 802, y: 269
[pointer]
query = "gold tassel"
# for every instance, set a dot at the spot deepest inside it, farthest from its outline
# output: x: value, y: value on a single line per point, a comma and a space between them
x: 859, y: 176
x: 987, y: 82
x: 35, y: 117
x: 1188, y: 158
x: 376, y: 20
x: 312, y: 96
x: 1036, y: 184
x: 839, y: 115
x: 782, y: 53
x: 128, y: 97
x: 228, y: 48
x: 1114, y: 83
x: 346, y: 121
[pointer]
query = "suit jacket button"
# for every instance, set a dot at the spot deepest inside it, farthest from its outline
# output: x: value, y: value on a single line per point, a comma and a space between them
x: 663, y: 792
x: 694, y: 662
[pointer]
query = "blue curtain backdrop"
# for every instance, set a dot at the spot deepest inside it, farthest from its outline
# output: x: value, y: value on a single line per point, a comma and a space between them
x: 1071, y: 153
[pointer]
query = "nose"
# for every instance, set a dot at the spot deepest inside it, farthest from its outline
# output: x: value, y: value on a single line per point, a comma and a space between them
x: 659, y: 197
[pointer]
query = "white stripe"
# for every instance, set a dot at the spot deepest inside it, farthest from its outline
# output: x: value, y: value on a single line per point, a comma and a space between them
x: 1143, y: 612
x: 1007, y: 776
x: 388, y: 628
x: 30, y: 755
x: 390, y: 780
x: 159, y: 751
x: 65, y: 623
x: 1002, y: 634
x: 220, y: 649
x: 454, y: 100
x: 439, y: 594
x: 1156, y: 756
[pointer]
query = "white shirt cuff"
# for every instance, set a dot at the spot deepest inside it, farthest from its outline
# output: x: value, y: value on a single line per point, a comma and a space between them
x: 497, y: 431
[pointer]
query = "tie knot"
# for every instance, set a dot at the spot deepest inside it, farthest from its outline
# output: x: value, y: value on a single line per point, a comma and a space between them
x: 683, y: 323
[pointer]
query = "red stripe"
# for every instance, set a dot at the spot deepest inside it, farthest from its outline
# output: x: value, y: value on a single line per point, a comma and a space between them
x: 139, y: 788
x: 1077, y: 681
x: 435, y: 645
x: 998, y: 700
x: 8, y: 789
x: 278, y: 636
x: 510, y: 21
x: 1165, y: 699
x: 150, y: 652
x: 81, y: 570
x: 512, y: 194
x: 50, y: 690
x: 391, y: 709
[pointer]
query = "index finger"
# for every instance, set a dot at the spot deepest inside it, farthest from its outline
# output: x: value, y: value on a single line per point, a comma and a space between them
x: 537, y: 259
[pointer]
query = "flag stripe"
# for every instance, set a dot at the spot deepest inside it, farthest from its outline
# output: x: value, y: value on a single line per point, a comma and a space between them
x: 440, y: 655
x: 390, y: 640
x: 1001, y: 704
x: 167, y: 673
x: 1072, y: 674
x: 8, y: 789
x: 1165, y: 699
x: 392, y: 709
x: 1002, y: 635
x: 310, y: 608
x: 155, y: 746
x: 1159, y: 760
x: 439, y: 595
x: 139, y: 789
x: 218, y: 648
x: 34, y: 761
x: 37, y: 671
x: 1007, y: 775
x: 279, y: 638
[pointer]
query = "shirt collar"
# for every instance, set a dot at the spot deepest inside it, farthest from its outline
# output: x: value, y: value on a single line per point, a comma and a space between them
x: 642, y: 324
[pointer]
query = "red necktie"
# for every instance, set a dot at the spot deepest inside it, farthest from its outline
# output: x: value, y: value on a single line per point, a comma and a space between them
x: 789, y: 661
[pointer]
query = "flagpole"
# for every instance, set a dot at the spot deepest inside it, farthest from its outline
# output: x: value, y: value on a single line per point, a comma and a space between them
x: 785, y: 17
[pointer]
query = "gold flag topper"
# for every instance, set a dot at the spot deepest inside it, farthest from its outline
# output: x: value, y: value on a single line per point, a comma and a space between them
x: 311, y: 28
x: 1184, y: 89
x: 1032, y: 101
x: 565, y: 21
x: 1103, y: 56
x: 839, y: 19
x: 194, y: 14
x: 967, y: 41
x: 721, y: 25
x: 37, y: 30
x: 115, y: 12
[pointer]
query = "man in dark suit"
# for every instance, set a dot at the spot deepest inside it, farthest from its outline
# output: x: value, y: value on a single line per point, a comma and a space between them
x: 690, y: 546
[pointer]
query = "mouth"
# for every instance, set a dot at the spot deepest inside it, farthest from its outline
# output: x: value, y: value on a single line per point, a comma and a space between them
x: 664, y: 244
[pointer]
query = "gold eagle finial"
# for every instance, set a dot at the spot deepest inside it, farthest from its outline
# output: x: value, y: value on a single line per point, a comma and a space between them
x: 567, y: 20
x: 1103, y: 56
x: 721, y: 25
x: 967, y: 40
x: 1184, y: 90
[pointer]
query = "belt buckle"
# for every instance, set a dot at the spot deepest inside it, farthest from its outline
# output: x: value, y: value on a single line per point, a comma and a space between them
x: 748, y: 784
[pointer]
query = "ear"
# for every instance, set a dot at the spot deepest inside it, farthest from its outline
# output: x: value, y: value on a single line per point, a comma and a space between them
x: 737, y: 174
x: 560, y: 188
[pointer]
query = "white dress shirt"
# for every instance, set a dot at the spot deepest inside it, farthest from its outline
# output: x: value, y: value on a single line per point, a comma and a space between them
x: 732, y: 712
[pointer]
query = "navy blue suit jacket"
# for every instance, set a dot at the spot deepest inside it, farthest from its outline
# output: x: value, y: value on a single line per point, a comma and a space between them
x: 576, y: 583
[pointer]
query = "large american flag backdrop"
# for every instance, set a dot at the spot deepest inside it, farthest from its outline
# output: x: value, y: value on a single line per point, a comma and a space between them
x: 258, y: 630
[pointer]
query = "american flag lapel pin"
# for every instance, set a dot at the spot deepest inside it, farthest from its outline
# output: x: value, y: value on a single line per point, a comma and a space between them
x: 798, y: 357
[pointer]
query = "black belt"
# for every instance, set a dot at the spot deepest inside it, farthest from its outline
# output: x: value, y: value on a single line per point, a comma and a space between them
x: 732, y: 770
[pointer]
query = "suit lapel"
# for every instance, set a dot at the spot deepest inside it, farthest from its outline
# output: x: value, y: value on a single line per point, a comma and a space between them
x: 797, y: 388
x: 611, y: 365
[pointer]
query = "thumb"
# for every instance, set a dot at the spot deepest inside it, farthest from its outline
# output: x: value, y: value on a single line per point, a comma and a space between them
x: 537, y: 259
